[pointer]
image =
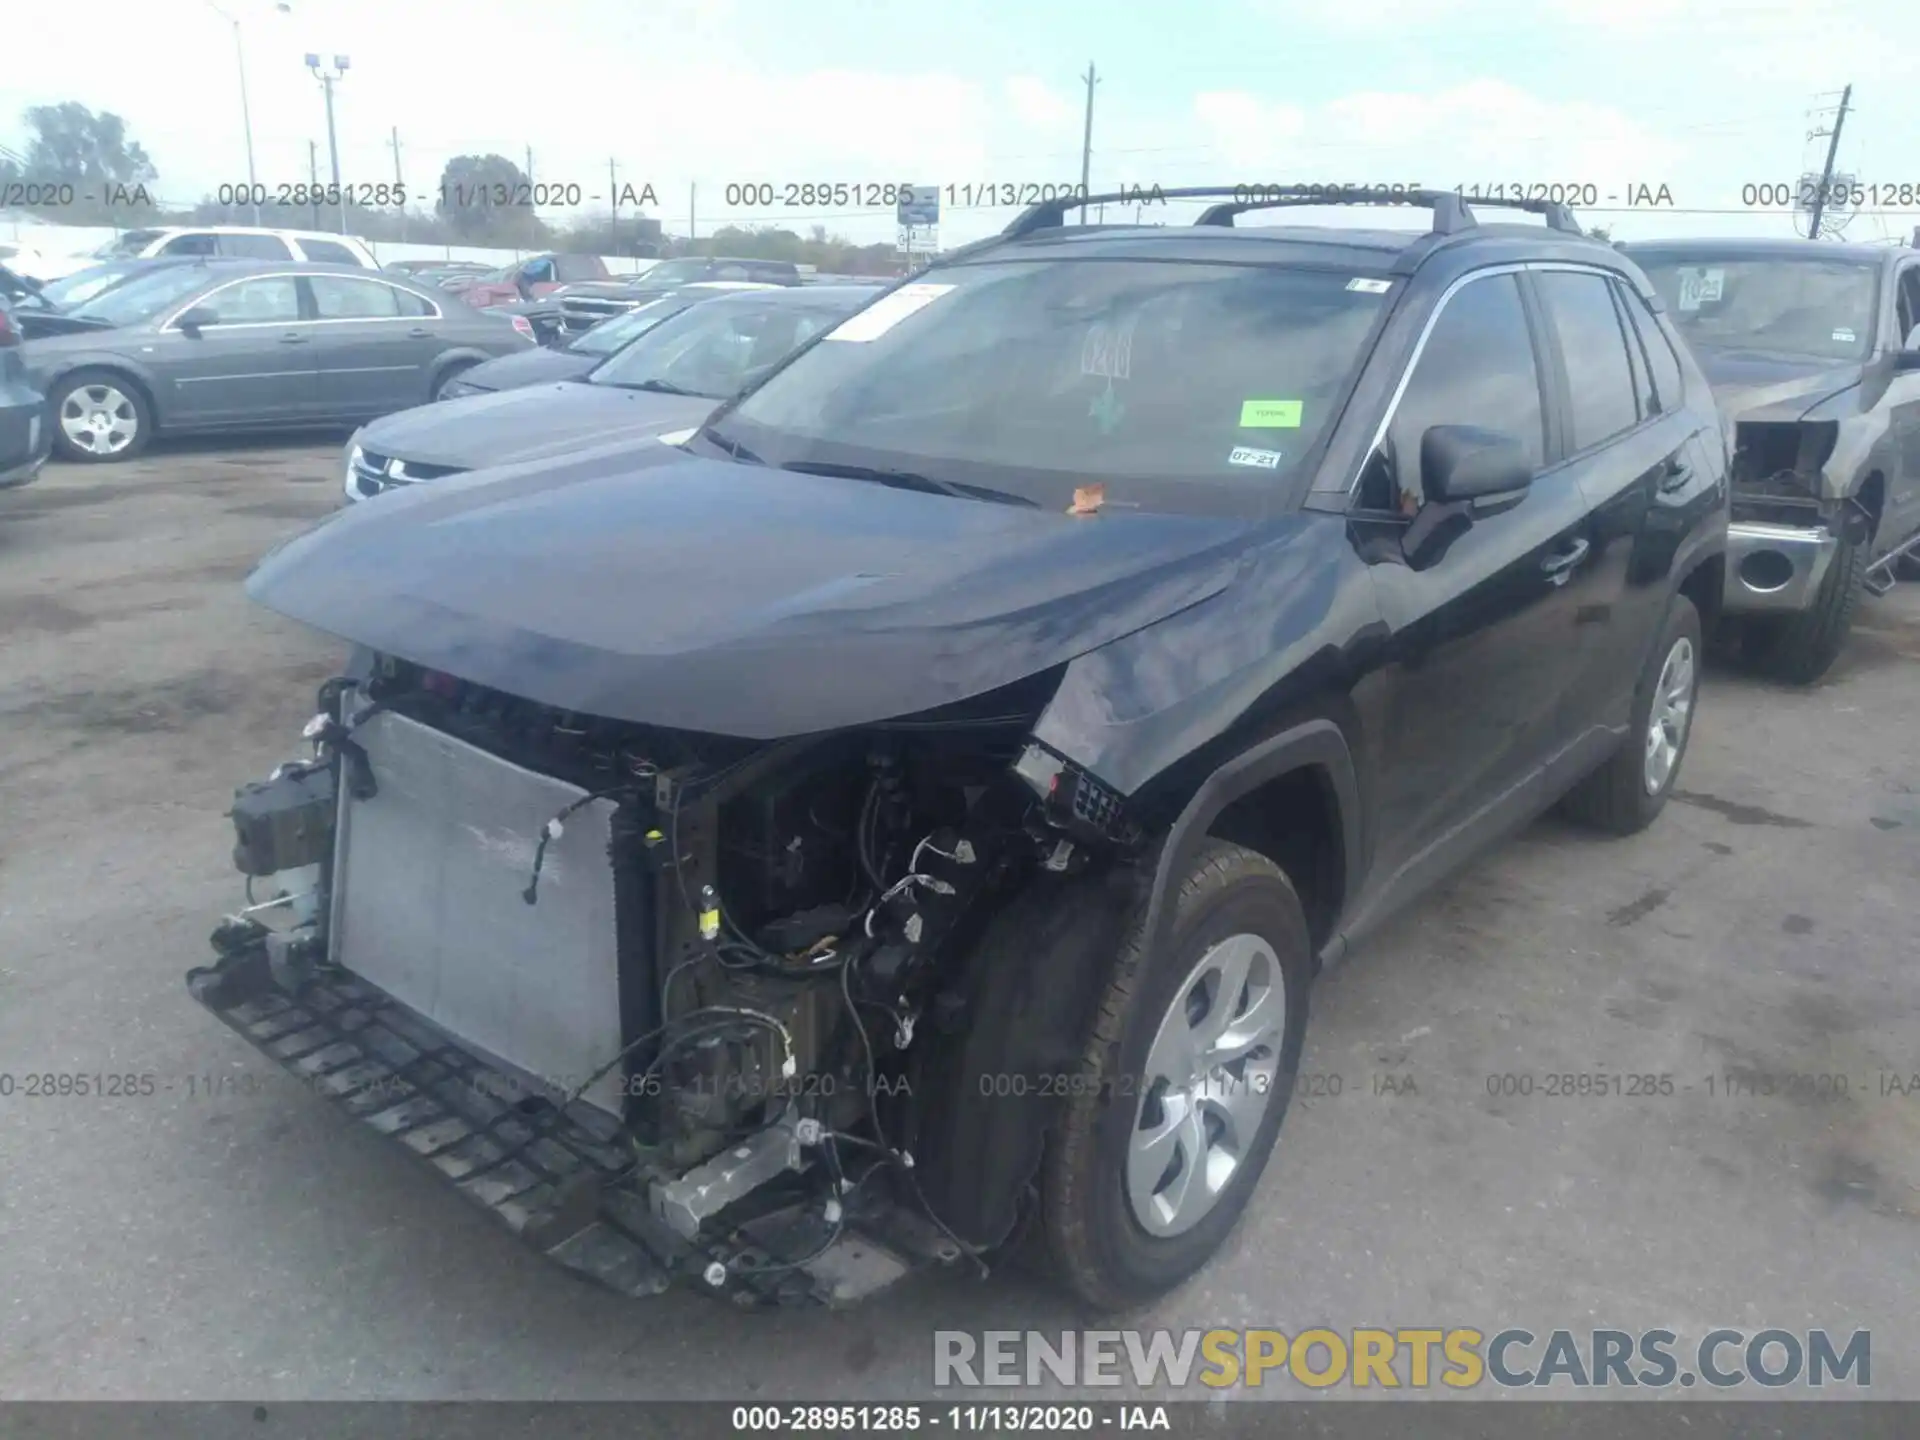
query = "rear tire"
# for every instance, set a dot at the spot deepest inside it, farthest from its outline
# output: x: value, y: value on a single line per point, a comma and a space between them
x: 1118, y: 1227
x: 99, y: 417
x: 1801, y: 648
x: 1625, y: 794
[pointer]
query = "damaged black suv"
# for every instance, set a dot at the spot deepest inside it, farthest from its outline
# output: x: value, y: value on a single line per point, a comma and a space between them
x: 899, y: 822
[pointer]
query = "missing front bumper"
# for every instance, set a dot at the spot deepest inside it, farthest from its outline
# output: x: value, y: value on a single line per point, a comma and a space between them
x: 564, y: 1182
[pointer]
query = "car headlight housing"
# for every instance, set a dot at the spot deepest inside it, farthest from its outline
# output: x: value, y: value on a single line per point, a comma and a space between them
x: 354, y: 456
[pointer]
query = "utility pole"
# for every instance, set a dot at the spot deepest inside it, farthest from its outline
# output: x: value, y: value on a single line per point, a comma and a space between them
x: 400, y: 185
x: 246, y: 114
x: 1826, y: 175
x: 1086, y: 139
x: 326, y: 78
x: 693, y: 228
x: 313, y: 180
x: 613, y: 207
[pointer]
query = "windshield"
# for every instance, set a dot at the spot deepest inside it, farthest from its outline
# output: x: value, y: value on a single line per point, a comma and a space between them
x: 128, y: 243
x: 144, y: 296
x: 673, y: 272
x: 1813, y: 307
x: 622, y: 330
x: 1041, y: 378
x: 84, y: 284
x: 715, y: 348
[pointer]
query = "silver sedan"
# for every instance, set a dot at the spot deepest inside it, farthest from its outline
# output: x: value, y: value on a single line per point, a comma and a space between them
x: 238, y: 345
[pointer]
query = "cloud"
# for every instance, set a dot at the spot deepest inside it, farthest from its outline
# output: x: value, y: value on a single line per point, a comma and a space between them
x: 1481, y: 132
x: 1040, y: 106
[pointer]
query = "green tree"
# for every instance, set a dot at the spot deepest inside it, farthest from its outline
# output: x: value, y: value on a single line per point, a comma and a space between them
x: 481, y: 201
x: 70, y: 144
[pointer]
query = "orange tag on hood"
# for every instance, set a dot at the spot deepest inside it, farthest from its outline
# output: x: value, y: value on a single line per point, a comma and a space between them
x: 1087, y: 500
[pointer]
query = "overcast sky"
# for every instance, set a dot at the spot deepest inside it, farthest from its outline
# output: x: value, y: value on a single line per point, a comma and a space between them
x: 1702, y: 96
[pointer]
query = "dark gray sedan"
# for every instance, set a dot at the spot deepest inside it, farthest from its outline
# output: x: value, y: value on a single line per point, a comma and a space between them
x: 253, y: 346
x: 668, y: 378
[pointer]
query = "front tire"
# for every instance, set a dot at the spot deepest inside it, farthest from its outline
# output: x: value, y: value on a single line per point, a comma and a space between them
x: 448, y: 378
x: 1624, y: 795
x: 99, y: 417
x: 1801, y: 648
x: 1183, y: 1085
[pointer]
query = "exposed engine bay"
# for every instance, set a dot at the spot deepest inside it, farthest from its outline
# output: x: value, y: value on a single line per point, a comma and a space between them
x: 712, y: 961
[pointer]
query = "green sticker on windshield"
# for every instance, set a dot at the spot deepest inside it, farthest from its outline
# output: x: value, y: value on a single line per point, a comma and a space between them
x: 1269, y: 414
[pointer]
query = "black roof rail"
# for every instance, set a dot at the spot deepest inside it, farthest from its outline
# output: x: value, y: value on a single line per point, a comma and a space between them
x: 1049, y: 213
x: 1451, y: 211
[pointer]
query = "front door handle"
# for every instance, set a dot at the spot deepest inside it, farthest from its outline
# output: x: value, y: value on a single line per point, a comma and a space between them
x: 419, y: 332
x: 1560, y: 565
x: 293, y: 337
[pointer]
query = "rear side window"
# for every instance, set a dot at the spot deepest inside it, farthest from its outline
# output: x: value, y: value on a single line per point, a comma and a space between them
x: 1478, y: 368
x: 255, y: 247
x: 1668, y: 389
x: 192, y: 244
x: 340, y: 297
x: 579, y: 267
x: 1599, y: 376
x: 329, y: 252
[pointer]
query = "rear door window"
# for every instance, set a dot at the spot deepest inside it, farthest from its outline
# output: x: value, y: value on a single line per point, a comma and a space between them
x: 329, y: 252
x: 255, y: 247
x: 194, y: 242
x: 340, y: 297
x: 1600, y: 387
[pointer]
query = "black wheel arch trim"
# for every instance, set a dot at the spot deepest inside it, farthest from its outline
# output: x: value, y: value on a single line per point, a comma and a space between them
x: 1316, y: 744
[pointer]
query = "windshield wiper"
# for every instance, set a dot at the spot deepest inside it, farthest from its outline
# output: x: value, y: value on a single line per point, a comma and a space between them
x: 732, y: 447
x: 910, y: 480
x: 656, y: 387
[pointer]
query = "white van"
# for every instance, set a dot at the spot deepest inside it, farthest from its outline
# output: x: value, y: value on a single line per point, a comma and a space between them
x: 245, y: 242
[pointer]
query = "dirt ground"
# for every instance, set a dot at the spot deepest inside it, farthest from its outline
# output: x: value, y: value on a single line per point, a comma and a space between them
x: 212, y: 1240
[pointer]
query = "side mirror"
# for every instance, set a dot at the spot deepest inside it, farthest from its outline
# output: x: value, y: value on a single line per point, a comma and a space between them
x: 192, y: 320
x: 1465, y: 463
x: 1909, y: 356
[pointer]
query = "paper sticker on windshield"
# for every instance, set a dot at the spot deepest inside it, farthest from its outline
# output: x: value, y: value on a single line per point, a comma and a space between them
x: 1108, y: 350
x: 1369, y: 287
x: 1270, y: 415
x: 1845, y: 336
x: 1264, y: 459
x: 1700, y: 287
x: 888, y: 311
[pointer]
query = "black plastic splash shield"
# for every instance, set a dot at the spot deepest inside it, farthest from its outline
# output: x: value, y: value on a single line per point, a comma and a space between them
x: 564, y: 1182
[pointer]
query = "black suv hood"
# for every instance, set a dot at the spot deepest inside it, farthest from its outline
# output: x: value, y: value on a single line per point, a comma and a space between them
x: 527, y: 422
x: 1762, y: 385
x: 662, y: 589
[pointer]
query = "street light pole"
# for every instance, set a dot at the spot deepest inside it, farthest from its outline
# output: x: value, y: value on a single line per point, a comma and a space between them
x: 326, y: 78
x: 246, y: 113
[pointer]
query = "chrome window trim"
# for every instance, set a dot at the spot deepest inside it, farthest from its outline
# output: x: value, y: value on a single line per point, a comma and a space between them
x: 1426, y: 333
x: 169, y: 325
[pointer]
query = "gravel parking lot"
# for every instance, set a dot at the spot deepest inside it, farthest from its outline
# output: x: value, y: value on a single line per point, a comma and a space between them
x: 231, y: 1236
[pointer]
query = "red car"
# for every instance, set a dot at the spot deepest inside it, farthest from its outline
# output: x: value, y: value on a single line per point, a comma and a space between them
x: 535, y: 276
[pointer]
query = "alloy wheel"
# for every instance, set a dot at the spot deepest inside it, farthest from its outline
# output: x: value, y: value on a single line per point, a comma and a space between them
x: 1671, y: 713
x: 1209, y: 1078
x: 99, y: 419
